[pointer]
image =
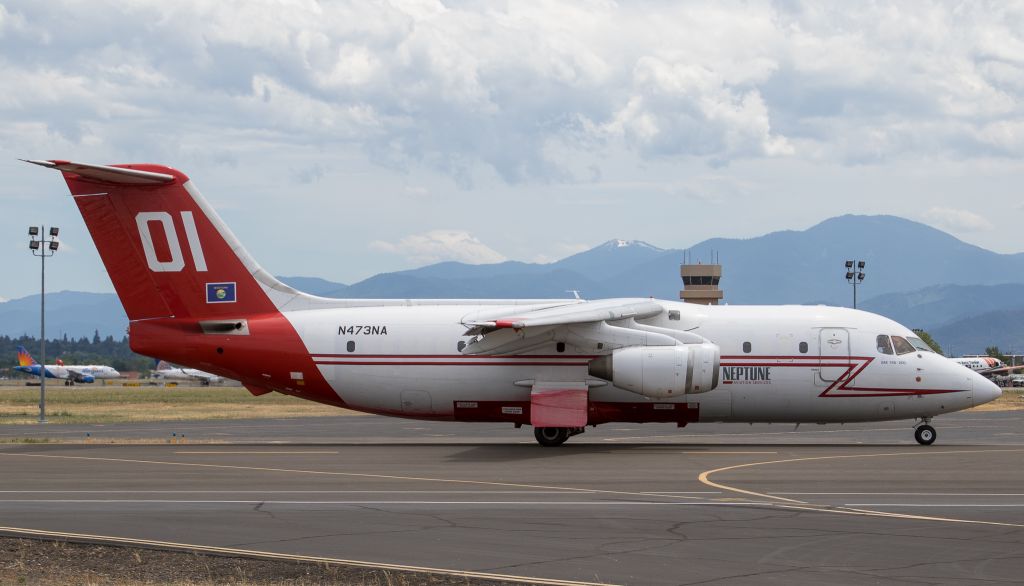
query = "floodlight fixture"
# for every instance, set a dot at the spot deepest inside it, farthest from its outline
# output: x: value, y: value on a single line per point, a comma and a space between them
x: 43, y: 246
x: 854, y: 276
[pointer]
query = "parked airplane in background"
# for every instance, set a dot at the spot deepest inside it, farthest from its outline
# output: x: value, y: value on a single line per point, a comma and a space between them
x: 168, y: 372
x: 71, y: 374
x: 980, y: 364
x: 195, y: 296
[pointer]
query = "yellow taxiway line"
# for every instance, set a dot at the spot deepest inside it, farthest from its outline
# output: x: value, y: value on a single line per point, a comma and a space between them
x: 347, y: 474
x: 789, y: 503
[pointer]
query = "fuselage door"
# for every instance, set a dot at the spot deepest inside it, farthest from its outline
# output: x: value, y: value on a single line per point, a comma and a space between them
x: 834, y: 353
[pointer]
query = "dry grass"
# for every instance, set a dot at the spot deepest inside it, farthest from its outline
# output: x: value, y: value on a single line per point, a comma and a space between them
x: 1011, y: 400
x: 116, y: 404
x: 53, y: 563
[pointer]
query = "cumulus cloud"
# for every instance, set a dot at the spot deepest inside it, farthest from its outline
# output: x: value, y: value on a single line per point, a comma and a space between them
x: 310, y: 174
x: 416, y: 191
x: 528, y: 91
x: 441, y: 245
x: 957, y: 220
x: 682, y: 108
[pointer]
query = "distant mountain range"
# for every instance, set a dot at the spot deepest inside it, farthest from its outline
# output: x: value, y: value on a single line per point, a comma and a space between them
x: 915, y: 274
x: 939, y: 305
x: 73, y: 313
x: 781, y: 267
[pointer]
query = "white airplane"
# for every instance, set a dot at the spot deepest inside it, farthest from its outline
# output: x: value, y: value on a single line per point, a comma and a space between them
x: 195, y: 296
x: 980, y: 364
x: 75, y: 373
x: 166, y: 371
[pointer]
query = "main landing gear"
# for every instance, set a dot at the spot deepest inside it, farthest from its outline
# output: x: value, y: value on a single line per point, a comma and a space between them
x: 550, y: 437
x: 924, y: 433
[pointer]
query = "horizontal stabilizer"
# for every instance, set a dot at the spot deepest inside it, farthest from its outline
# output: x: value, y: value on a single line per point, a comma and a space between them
x: 105, y: 174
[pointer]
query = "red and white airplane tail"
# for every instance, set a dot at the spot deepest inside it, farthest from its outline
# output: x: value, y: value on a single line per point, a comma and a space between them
x: 166, y: 250
x: 191, y: 291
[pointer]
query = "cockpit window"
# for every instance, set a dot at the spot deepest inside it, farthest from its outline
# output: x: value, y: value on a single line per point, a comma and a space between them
x: 902, y: 346
x: 920, y: 344
x: 883, y: 344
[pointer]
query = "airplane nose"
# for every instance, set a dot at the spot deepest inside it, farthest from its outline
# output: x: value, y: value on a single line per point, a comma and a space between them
x: 985, y: 390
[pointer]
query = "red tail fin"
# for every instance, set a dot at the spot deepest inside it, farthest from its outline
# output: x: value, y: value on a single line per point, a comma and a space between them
x: 166, y: 250
x: 192, y: 292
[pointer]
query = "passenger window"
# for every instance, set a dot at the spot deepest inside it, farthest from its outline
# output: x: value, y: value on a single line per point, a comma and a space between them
x: 673, y: 315
x: 803, y: 347
x: 461, y: 346
x: 884, y: 347
x: 902, y: 346
x: 746, y: 347
x: 351, y: 346
x: 560, y: 347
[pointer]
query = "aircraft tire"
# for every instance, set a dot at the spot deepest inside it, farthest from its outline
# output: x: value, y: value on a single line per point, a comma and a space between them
x: 925, y: 435
x: 550, y: 437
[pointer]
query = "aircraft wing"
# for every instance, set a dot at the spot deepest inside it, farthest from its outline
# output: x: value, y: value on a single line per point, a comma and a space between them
x: 588, y: 311
x: 593, y: 327
x: 79, y: 376
x: 202, y: 376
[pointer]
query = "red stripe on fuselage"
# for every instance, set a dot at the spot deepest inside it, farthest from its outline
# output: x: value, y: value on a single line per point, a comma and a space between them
x: 461, y: 356
x: 447, y: 363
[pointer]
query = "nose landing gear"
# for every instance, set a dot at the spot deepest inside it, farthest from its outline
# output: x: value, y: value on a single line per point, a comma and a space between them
x: 924, y: 433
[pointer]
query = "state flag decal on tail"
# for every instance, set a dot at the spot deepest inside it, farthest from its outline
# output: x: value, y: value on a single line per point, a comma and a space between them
x: 220, y: 293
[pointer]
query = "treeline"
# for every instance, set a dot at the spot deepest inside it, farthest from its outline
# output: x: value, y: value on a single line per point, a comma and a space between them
x: 84, y: 350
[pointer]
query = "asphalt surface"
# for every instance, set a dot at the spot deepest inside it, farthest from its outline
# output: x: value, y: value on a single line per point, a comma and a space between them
x: 633, y: 504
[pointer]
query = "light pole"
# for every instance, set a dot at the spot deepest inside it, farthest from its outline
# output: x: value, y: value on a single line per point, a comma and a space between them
x: 854, y: 276
x: 42, y: 247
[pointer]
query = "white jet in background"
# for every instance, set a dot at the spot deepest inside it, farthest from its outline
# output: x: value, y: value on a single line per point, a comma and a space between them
x: 980, y: 364
x: 166, y: 371
x: 70, y: 373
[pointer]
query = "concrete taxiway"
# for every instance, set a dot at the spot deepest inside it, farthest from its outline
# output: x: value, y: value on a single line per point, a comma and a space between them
x: 635, y: 504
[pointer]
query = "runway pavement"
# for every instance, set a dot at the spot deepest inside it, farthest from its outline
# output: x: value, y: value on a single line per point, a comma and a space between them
x: 632, y: 504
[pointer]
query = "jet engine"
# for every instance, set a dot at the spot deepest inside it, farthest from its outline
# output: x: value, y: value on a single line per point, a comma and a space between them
x: 661, y: 372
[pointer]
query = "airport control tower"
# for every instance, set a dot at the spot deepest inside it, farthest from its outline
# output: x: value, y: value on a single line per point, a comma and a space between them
x: 700, y: 281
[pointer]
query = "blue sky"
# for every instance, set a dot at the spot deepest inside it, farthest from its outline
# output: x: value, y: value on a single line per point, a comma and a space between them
x: 344, y: 139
